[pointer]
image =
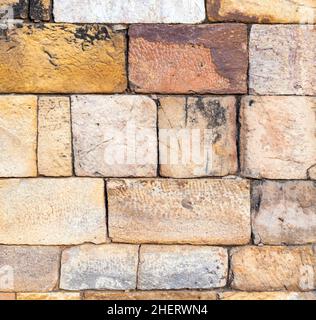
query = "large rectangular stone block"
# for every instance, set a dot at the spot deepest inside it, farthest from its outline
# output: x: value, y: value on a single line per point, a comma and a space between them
x: 179, y: 211
x: 182, y: 267
x: 52, y: 211
x: 62, y: 58
x: 132, y: 11
x: 188, y: 59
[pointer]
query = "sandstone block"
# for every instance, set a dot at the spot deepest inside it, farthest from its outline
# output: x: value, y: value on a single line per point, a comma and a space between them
x: 179, y: 211
x: 54, y: 137
x: 282, y: 60
x: 162, y: 56
x: 267, y: 295
x: 278, y: 137
x: 258, y: 11
x: 40, y: 10
x: 151, y: 295
x: 115, y: 136
x: 62, y: 58
x: 273, y: 268
x: 109, y: 266
x: 182, y: 267
x: 285, y: 213
x: 132, y: 11
x: 7, y: 296
x: 18, y: 131
x: 49, y: 296
x: 197, y: 136
x: 52, y: 211
x: 28, y: 268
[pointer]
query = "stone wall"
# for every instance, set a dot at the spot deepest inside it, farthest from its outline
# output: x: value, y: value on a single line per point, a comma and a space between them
x: 158, y: 149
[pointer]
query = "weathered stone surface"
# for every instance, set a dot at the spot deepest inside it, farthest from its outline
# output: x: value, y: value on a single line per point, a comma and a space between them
x: 179, y: 211
x: 28, y: 268
x: 7, y: 296
x: 110, y: 266
x: 273, y: 268
x: 52, y: 211
x: 115, y: 136
x: 284, y: 212
x: 267, y: 11
x: 19, y: 7
x: 18, y: 131
x: 197, y: 136
x: 282, y: 60
x: 54, y: 137
x: 312, y: 172
x: 61, y: 58
x: 162, y: 56
x: 150, y: 295
x: 267, y: 295
x: 182, y: 267
x: 278, y: 137
x: 132, y: 11
x: 49, y: 296
x: 40, y: 10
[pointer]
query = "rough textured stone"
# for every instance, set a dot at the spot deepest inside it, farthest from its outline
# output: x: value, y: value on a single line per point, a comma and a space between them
x: 282, y: 60
x: 273, y: 268
x: 19, y: 7
x: 109, y: 266
x: 7, y: 296
x: 267, y: 11
x: 179, y: 211
x: 132, y: 11
x: 28, y: 268
x: 52, y: 211
x: 267, y: 296
x: 40, y: 10
x: 312, y: 172
x: 278, y: 137
x: 162, y: 56
x: 151, y: 295
x: 197, y: 136
x: 54, y: 137
x: 115, y: 136
x: 61, y: 58
x: 49, y: 296
x: 182, y: 267
x: 18, y: 131
x: 285, y: 213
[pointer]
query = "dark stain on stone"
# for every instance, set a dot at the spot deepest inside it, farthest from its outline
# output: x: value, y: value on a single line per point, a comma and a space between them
x: 187, y: 204
x: 251, y: 103
x: 20, y: 9
x: 91, y: 33
x: 212, y: 111
x: 213, y: 7
x: 256, y: 195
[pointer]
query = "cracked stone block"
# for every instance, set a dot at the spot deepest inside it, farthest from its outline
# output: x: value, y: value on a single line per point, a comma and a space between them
x: 62, y: 58
x: 54, y: 137
x: 132, y: 11
x: 179, y: 211
x: 151, y: 295
x: 40, y: 10
x: 27, y: 269
x: 273, y: 268
x: 46, y: 211
x: 284, y: 212
x: 188, y: 58
x: 115, y: 136
x: 18, y: 134
x: 19, y: 8
x: 109, y: 266
x: 258, y: 11
x: 182, y: 267
x: 197, y: 136
x: 231, y: 295
x: 277, y: 138
x: 282, y: 60
x: 49, y: 296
